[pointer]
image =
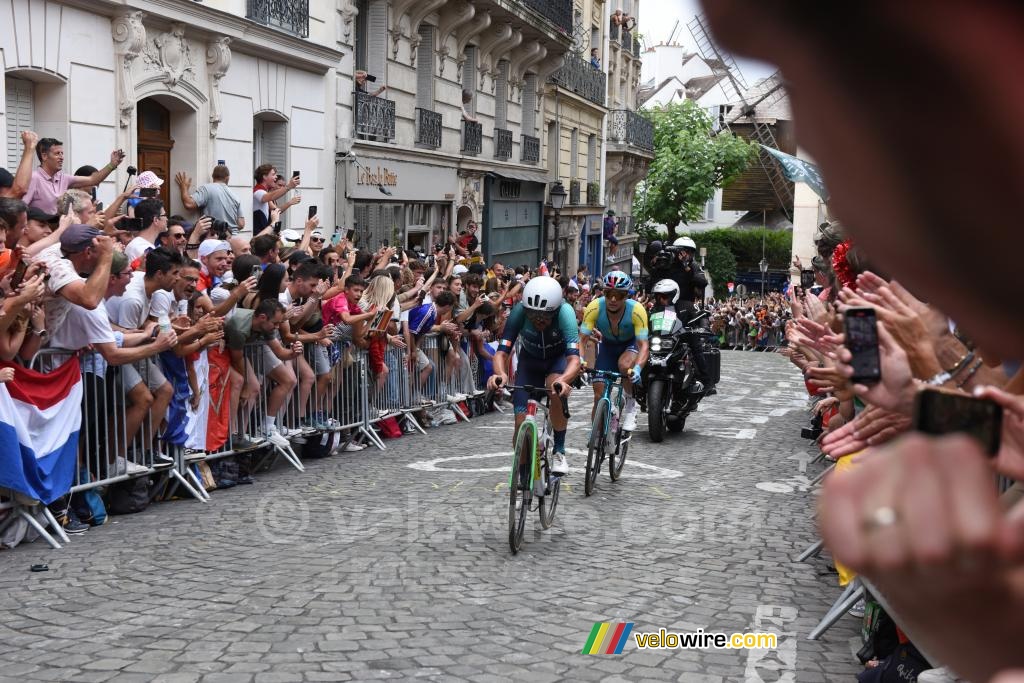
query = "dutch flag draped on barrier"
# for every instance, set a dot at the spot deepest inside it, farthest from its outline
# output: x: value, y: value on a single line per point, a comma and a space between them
x: 40, y: 417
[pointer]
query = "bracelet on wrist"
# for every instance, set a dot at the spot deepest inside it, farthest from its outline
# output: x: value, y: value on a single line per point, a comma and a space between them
x: 970, y: 373
x: 939, y: 379
x: 962, y: 363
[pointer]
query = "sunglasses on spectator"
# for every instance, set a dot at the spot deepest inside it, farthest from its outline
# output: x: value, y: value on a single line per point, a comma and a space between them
x: 316, y: 239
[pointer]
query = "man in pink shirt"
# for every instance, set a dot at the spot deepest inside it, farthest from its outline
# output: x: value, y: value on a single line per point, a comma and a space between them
x: 49, y: 182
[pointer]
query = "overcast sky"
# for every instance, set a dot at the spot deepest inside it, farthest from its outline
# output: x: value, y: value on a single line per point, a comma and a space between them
x: 658, y: 16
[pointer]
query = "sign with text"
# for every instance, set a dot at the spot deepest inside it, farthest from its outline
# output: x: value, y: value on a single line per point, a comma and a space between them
x: 405, y: 180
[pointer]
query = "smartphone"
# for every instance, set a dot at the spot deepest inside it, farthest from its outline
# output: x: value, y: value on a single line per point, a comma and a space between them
x: 384, y: 243
x: 256, y: 272
x: 277, y: 228
x: 99, y: 206
x: 806, y: 279
x: 350, y: 234
x: 295, y: 174
x: 312, y: 212
x: 939, y: 412
x: 148, y: 192
x: 19, y: 274
x: 861, y: 328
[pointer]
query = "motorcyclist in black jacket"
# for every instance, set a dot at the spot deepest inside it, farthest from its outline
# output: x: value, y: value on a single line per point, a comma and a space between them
x: 678, y: 263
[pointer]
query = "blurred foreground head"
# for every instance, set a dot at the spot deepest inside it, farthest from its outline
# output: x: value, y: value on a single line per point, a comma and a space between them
x: 914, y: 111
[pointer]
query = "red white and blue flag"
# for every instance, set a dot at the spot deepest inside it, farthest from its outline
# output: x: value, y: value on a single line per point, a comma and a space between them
x: 40, y: 418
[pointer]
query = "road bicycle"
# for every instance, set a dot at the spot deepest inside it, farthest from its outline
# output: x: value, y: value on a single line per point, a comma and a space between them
x: 606, y: 424
x: 531, y: 470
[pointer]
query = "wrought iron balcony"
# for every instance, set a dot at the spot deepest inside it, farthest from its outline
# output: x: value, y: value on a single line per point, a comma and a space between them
x: 428, y: 128
x: 502, y: 144
x: 636, y: 47
x: 530, y: 149
x: 290, y: 16
x: 615, y: 32
x: 472, y: 137
x: 578, y: 76
x: 630, y: 128
x: 375, y: 117
x: 593, y: 194
x: 627, y: 39
x: 625, y: 226
x: 558, y: 12
x: 574, y: 192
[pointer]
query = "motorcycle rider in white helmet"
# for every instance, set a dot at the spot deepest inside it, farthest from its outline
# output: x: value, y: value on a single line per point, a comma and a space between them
x: 549, y: 353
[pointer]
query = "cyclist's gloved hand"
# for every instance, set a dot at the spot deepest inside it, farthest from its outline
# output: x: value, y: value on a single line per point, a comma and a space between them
x: 634, y: 374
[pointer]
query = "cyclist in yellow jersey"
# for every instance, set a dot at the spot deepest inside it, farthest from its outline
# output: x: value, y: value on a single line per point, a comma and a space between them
x: 620, y: 325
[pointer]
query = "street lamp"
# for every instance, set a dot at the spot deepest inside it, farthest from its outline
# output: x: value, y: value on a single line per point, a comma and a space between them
x: 557, y: 195
x: 764, y: 269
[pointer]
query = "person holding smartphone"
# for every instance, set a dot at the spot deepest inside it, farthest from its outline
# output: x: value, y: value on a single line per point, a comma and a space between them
x: 265, y: 192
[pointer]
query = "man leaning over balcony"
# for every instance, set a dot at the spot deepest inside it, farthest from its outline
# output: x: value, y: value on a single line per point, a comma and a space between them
x: 362, y: 77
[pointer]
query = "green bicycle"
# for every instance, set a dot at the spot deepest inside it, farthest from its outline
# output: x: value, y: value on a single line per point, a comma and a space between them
x: 531, y: 471
x: 606, y: 423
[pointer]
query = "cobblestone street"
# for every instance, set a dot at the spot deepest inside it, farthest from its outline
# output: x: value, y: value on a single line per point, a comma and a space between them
x: 396, y: 564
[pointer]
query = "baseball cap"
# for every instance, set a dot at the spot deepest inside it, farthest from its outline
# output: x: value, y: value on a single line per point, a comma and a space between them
x: 317, y: 233
x: 207, y: 247
x: 6, y: 179
x: 77, y: 238
x: 460, y: 270
x: 37, y: 214
x: 291, y: 236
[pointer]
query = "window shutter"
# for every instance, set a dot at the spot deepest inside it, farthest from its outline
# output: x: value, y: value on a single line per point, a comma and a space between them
x: 554, y: 149
x: 469, y: 76
x: 574, y: 154
x: 361, y: 34
x: 20, y: 116
x: 591, y: 158
x: 274, y: 144
x: 530, y: 105
x: 377, y: 42
x: 501, y: 96
x: 425, y: 69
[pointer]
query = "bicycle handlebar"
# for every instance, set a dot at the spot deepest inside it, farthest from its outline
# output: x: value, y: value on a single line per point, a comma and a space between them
x: 539, y: 393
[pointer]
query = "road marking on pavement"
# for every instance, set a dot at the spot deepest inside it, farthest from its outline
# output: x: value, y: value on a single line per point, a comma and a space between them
x: 464, y: 463
x: 657, y: 490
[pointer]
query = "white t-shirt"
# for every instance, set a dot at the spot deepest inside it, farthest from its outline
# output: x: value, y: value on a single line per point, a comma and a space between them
x: 137, y: 247
x: 163, y: 303
x: 259, y: 205
x: 81, y: 327
x: 134, y: 309
x: 62, y: 273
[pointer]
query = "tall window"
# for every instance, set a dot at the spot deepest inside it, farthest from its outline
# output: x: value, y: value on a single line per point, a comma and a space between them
x: 469, y: 76
x: 371, y: 39
x: 530, y: 105
x: 425, y: 68
x: 20, y: 116
x: 501, y: 96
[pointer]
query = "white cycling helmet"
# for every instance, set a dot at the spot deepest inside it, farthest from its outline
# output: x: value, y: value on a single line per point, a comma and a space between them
x: 542, y: 294
x: 666, y: 286
x: 685, y: 242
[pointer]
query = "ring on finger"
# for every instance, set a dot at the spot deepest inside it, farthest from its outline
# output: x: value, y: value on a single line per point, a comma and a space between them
x: 880, y: 518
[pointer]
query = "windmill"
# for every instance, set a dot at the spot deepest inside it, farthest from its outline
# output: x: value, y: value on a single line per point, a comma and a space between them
x: 746, y: 104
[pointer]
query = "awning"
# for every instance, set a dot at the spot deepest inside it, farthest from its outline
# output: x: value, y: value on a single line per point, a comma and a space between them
x: 529, y: 176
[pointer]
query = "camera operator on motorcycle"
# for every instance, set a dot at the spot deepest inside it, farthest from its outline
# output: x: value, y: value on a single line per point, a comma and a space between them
x: 620, y: 325
x: 549, y: 354
x: 678, y: 264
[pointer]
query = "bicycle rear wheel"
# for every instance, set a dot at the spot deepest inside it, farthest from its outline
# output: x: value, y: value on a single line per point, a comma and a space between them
x: 595, y: 449
x: 549, y: 502
x: 519, y: 493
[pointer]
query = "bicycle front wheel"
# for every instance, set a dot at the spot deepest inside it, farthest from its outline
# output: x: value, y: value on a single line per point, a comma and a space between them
x: 549, y: 502
x: 618, y: 458
x: 519, y: 491
x: 595, y: 449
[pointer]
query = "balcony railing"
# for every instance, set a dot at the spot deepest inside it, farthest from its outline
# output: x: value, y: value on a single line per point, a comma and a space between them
x: 375, y: 117
x: 625, y: 226
x: 578, y: 76
x: 614, y: 31
x: 593, y: 194
x: 627, y: 39
x: 558, y: 12
x: 636, y: 47
x: 428, y: 128
x: 472, y: 137
x: 290, y: 16
x: 574, y: 192
x: 530, y: 149
x: 502, y: 144
x: 632, y: 129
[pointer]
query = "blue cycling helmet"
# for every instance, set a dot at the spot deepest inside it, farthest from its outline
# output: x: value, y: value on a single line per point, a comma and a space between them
x: 616, y: 279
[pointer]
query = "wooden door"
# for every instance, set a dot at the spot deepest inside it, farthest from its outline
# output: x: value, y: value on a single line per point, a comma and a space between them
x: 155, y: 144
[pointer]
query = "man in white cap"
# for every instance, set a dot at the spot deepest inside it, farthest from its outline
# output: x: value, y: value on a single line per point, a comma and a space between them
x: 215, y: 257
x: 317, y: 240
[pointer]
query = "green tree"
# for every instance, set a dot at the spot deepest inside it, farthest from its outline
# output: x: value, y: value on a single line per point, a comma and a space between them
x: 721, y: 266
x: 689, y: 165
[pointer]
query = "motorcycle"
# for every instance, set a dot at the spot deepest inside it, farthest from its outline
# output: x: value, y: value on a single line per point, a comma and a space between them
x: 670, y: 389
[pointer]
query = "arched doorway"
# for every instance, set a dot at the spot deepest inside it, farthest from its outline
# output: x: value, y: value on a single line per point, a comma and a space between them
x: 155, y: 143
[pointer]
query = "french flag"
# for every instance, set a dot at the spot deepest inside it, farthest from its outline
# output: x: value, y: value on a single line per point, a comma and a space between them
x: 40, y: 417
